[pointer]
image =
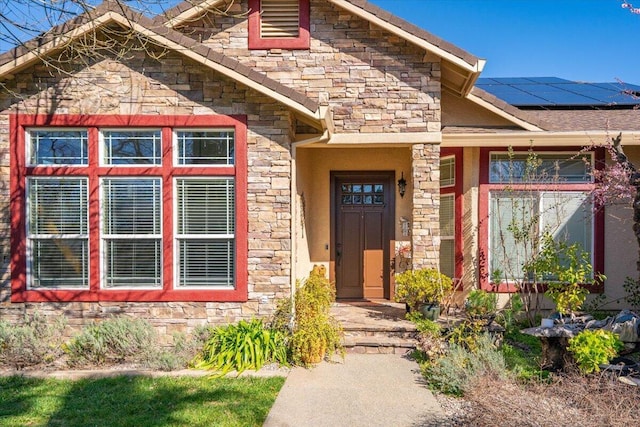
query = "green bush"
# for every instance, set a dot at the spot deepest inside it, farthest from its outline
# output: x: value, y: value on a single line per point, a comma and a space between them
x: 591, y: 348
x: 481, y: 304
x: 455, y: 372
x: 113, y: 340
x: 247, y: 345
x: 37, y: 340
x: 315, y: 333
x: 426, y: 285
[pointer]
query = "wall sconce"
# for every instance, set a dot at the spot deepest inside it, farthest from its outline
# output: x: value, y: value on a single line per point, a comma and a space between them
x: 402, y: 185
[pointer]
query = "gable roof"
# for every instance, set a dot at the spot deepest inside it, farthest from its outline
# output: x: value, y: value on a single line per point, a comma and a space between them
x: 460, y: 69
x: 111, y: 12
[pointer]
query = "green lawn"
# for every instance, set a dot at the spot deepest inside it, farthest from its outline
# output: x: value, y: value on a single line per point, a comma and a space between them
x: 137, y: 401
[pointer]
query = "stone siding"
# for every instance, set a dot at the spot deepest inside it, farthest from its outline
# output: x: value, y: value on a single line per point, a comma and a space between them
x: 172, y: 85
x: 425, y: 179
x: 374, y: 81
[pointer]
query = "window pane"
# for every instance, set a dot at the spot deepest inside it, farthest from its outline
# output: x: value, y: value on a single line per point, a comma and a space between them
x: 132, y: 262
x: 447, y: 172
x: 132, y: 147
x: 513, y: 232
x: 448, y: 257
x: 132, y: 239
x: 447, y: 215
x: 206, y: 262
x: 539, y: 168
x: 206, y: 206
x: 518, y: 219
x: 132, y: 206
x: 58, y: 206
x: 205, y: 231
x: 205, y: 147
x: 58, y: 147
x: 60, y: 263
x: 57, y: 232
x: 567, y: 216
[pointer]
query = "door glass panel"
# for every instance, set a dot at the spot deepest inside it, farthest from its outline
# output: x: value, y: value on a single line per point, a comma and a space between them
x: 362, y: 194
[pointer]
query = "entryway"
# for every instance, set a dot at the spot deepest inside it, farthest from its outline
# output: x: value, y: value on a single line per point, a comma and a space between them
x: 363, y: 207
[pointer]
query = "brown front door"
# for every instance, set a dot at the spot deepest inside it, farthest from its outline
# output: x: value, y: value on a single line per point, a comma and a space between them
x: 363, y: 204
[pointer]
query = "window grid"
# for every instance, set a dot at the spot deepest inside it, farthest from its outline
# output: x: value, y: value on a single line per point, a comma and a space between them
x: 131, y: 147
x: 22, y: 171
x: 57, y: 147
x: 205, y: 147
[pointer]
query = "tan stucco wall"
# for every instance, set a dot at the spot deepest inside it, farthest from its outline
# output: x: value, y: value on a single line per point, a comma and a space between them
x: 314, y: 166
x: 458, y: 111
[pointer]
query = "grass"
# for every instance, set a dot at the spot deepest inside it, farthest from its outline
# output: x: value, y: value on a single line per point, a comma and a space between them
x: 137, y: 401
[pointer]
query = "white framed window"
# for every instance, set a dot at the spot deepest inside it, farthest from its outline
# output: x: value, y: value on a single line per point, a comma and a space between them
x: 205, y: 232
x: 131, y: 147
x: 57, y: 232
x: 204, y: 147
x: 541, y: 167
x: 131, y: 238
x: 59, y: 147
x: 447, y: 171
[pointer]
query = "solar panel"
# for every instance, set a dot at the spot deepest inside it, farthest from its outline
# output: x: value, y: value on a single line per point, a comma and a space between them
x: 553, y: 91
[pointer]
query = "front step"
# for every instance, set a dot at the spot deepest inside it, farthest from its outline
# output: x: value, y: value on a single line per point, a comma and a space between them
x: 375, y: 327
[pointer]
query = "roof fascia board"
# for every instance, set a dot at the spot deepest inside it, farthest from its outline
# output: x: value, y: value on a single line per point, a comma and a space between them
x: 538, y: 139
x: 57, y: 43
x: 192, y: 13
x: 385, y: 138
x: 472, y: 68
x: 513, y: 119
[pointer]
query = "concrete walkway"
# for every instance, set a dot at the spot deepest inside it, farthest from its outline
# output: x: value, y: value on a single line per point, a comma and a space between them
x: 363, y: 390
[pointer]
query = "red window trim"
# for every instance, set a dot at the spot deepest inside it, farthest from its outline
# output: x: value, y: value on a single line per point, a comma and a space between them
x: 300, y: 42
x: 483, y: 214
x: 458, y: 204
x: 18, y: 124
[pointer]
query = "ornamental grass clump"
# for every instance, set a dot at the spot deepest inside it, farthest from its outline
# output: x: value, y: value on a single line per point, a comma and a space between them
x: 242, y: 346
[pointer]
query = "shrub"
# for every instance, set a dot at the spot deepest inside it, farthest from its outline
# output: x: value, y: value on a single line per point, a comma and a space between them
x: 430, y: 340
x: 315, y: 333
x: 426, y: 285
x: 184, y: 350
x: 591, y: 348
x: 247, y: 345
x: 455, y: 372
x: 36, y: 341
x: 113, y: 340
x: 481, y: 304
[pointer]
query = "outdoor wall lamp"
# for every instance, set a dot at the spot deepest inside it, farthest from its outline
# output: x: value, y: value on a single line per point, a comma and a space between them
x: 402, y: 185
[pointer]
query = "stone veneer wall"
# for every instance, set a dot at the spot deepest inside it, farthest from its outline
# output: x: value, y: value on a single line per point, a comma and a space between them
x: 425, y: 177
x: 373, y: 80
x: 171, y: 86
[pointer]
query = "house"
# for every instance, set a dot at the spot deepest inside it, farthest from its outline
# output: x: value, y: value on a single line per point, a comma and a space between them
x: 192, y: 167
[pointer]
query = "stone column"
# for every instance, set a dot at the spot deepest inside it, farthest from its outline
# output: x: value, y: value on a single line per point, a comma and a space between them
x: 425, y: 180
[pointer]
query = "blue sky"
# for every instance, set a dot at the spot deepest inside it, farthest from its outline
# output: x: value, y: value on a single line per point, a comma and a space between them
x: 583, y: 40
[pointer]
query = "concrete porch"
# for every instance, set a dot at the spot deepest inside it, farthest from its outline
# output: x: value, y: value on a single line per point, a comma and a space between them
x: 375, y: 326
